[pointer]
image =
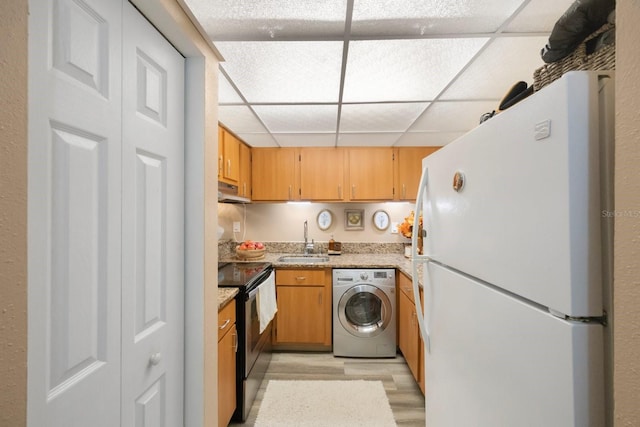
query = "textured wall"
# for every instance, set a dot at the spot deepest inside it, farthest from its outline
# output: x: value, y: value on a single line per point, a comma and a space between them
x: 13, y: 212
x: 283, y: 222
x: 627, y: 226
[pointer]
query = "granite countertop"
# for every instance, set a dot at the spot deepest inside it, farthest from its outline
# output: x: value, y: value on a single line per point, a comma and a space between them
x: 225, y: 295
x: 370, y: 260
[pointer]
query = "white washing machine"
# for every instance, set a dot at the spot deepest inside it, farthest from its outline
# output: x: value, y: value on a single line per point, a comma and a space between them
x: 364, y: 318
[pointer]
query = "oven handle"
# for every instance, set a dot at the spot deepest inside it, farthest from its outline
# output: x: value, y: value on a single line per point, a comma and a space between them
x: 254, y: 291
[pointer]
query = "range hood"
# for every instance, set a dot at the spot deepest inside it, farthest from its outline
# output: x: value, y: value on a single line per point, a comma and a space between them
x: 228, y: 193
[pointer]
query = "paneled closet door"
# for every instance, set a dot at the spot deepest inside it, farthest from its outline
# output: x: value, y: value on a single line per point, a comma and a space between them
x: 74, y: 213
x: 152, y: 227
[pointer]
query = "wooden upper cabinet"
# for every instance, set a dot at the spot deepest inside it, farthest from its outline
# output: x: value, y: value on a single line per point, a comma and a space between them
x: 244, y: 183
x: 321, y: 173
x: 370, y: 173
x: 228, y: 157
x: 409, y: 170
x: 273, y: 173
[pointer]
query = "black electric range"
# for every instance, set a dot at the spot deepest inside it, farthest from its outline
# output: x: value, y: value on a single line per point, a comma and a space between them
x: 254, y: 347
x: 243, y: 275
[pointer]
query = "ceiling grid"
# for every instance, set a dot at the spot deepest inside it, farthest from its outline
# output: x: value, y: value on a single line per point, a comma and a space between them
x: 369, y: 72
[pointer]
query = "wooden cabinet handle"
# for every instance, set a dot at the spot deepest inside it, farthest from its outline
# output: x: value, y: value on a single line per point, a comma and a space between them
x: 220, y: 166
x: 320, y: 298
x: 301, y: 278
x: 229, y: 167
x: 404, y: 191
x: 289, y: 192
x: 244, y: 189
x: 339, y: 191
x: 353, y: 191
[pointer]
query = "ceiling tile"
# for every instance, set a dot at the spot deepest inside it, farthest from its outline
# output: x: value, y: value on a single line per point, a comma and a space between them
x: 269, y: 19
x: 239, y: 119
x: 226, y: 92
x: 367, y: 139
x: 420, y: 17
x: 393, y: 117
x: 453, y: 116
x: 284, y: 71
x: 431, y: 139
x: 539, y: 15
x: 258, y: 139
x: 404, y: 70
x: 298, y: 118
x: 305, y: 139
x: 506, y: 61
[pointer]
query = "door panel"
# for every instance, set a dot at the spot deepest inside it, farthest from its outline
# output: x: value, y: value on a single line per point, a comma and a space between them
x: 494, y: 360
x: 530, y: 200
x: 153, y: 247
x: 74, y: 213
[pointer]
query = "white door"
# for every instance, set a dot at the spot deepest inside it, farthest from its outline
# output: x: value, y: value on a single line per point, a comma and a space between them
x: 152, y: 227
x: 74, y: 213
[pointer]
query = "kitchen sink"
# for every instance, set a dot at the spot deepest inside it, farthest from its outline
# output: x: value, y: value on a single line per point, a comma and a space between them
x: 300, y: 259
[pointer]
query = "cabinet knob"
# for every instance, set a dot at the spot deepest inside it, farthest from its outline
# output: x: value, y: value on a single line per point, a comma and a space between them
x: 155, y: 359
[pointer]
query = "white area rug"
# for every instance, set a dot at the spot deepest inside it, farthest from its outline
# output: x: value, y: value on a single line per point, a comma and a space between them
x: 325, y: 404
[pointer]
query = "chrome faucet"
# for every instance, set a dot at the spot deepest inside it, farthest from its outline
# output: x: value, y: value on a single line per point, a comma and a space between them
x: 308, y: 247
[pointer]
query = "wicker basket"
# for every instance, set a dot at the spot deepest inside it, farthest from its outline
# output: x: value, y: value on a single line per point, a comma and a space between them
x: 603, y: 59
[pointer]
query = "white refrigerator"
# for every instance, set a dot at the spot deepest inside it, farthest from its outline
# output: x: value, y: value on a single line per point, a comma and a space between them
x: 516, y: 270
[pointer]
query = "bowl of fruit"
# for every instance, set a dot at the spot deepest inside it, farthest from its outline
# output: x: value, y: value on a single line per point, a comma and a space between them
x: 250, y: 250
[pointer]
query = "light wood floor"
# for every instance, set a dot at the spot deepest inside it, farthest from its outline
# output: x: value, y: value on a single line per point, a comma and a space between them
x: 405, y: 398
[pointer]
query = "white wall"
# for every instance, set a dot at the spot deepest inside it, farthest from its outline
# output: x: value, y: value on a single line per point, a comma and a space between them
x: 283, y: 222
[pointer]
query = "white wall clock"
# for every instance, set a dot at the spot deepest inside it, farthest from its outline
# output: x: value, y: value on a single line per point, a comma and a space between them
x: 381, y: 220
x: 325, y: 219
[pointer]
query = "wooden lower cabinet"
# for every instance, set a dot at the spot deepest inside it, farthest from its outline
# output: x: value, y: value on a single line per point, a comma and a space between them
x: 227, y: 347
x: 303, y: 319
x: 409, y: 339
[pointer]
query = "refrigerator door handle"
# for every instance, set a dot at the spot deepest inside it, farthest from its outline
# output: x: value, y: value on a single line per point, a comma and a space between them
x: 420, y: 259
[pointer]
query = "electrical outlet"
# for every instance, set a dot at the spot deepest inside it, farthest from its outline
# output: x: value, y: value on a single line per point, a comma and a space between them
x: 236, y: 226
x: 394, y: 228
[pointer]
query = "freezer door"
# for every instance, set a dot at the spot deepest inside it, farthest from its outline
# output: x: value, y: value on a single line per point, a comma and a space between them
x: 527, y: 217
x: 494, y: 361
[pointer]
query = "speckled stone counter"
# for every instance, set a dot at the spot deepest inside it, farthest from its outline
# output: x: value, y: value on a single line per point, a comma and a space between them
x: 225, y: 295
x: 349, y: 260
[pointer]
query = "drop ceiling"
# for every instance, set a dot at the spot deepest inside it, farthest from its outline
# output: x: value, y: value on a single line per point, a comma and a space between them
x: 369, y: 72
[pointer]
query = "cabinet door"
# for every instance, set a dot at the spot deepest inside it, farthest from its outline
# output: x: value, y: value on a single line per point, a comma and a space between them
x: 273, y: 174
x: 220, y: 152
x: 227, y: 376
x: 321, y: 173
x: 244, y: 185
x: 409, y: 169
x: 301, y: 314
x: 371, y: 173
x: 231, y: 166
x: 408, y: 334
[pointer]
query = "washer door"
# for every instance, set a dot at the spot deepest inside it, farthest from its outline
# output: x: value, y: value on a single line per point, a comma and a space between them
x: 364, y: 311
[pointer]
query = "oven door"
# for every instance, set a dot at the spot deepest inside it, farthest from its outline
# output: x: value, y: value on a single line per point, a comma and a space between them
x: 253, y: 339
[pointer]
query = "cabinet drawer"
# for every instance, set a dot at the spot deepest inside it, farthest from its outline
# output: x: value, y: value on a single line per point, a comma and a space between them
x: 405, y: 286
x: 311, y: 277
x: 226, y: 319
